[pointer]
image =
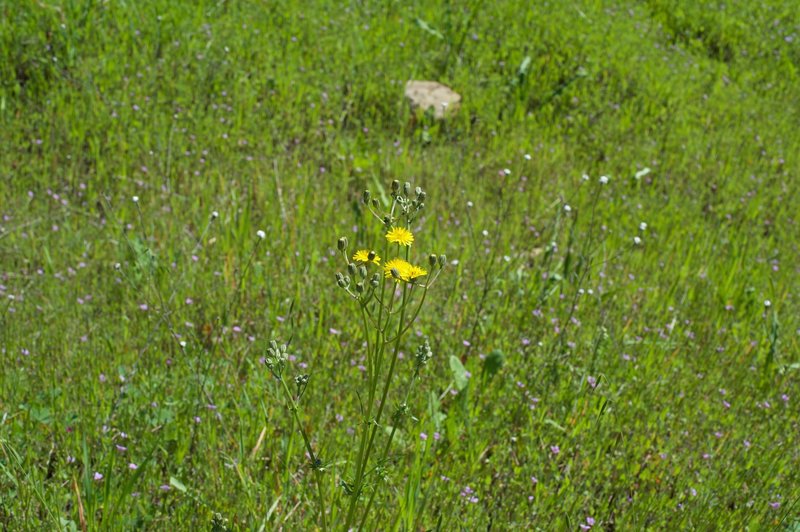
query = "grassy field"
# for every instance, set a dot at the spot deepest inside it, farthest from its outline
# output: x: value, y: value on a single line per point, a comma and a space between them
x: 615, y: 336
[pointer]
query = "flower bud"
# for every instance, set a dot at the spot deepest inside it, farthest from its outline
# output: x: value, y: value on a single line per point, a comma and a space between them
x: 432, y: 259
x: 375, y: 203
x: 442, y: 260
x: 395, y: 185
x: 418, y: 191
x: 351, y: 268
x: 367, y: 196
x: 375, y: 281
x: 407, y: 188
x: 421, y: 196
x: 387, y: 220
x: 360, y: 287
x: 342, y: 244
x: 362, y: 271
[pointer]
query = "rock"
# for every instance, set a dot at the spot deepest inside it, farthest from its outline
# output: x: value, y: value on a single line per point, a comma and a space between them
x: 426, y: 94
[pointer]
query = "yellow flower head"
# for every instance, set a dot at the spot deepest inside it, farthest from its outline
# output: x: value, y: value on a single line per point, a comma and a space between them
x: 416, y: 271
x: 400, y: 235
x: 362, y: 255
x: 402, y: 268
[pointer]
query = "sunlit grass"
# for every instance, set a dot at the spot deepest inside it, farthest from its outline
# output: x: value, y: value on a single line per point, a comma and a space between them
x: 615, y: 336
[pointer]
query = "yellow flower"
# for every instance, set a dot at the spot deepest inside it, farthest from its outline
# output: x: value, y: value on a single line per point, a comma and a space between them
x: 400, y: 235
x: 416, y: 271
x: 405, y: 271
x: 362, y: 255
x: 402, y: 268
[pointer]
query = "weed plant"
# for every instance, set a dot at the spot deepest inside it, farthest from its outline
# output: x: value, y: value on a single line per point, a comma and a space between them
x: 615, y: 331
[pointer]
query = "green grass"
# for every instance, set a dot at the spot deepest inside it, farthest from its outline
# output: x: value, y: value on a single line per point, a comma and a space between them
x: 278, y: 117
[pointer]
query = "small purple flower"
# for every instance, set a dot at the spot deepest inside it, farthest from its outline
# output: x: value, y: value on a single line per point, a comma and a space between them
x: 98, y: 476
x: 164, y: 487
x: 775, y: 504
x: 592, y: 381
x: 423, y: 436
x: 121, y: 448
x: 133, y: 467
x: 555, y: 449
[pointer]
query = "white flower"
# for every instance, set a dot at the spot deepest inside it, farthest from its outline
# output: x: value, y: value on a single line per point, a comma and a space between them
x: 507, y: 171
x: 261, y: 234
x: 183, y: 343
x: 603, y: 179
x: 527, y: 156
x: 567, y: 208
x: 767, y: 303
x: 135, y: 199
x: 470, y: 204
x: 214, y: 215
x: 643, y: 226
x: 637, y: 240
x: 585, y: 177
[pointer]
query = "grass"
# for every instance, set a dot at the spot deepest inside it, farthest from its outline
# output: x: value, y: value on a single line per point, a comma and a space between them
x: 576, y: 374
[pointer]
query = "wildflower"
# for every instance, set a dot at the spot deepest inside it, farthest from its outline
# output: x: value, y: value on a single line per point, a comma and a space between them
x: 363, y: 255
x: 397, y: 268
x: 400, y: 235
x: 261, y: 234
x: 98, y: 476
x: 416, y: 271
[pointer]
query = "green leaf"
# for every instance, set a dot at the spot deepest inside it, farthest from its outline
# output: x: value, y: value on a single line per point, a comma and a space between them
x: 459, y: 373
x: 493, y: 363
x: 428, y: 29
x: 177, y: 484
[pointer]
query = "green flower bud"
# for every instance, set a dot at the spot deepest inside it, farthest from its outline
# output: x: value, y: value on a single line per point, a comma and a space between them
x: 421, y: 196
x: 360, y: 287
x: 395, y: 185
x: 362, y: 271
x: 367, y: 196
x: 342, y: 244
x: 442, y: 260
x: 351, y: 268
x: 432, y: 259
x: 418, y: 191
x: 407, y: 188
x: 375, y: 281
x: 375, y: 203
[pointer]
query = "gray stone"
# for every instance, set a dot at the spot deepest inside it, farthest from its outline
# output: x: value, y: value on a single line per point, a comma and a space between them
x: 431, y: 94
